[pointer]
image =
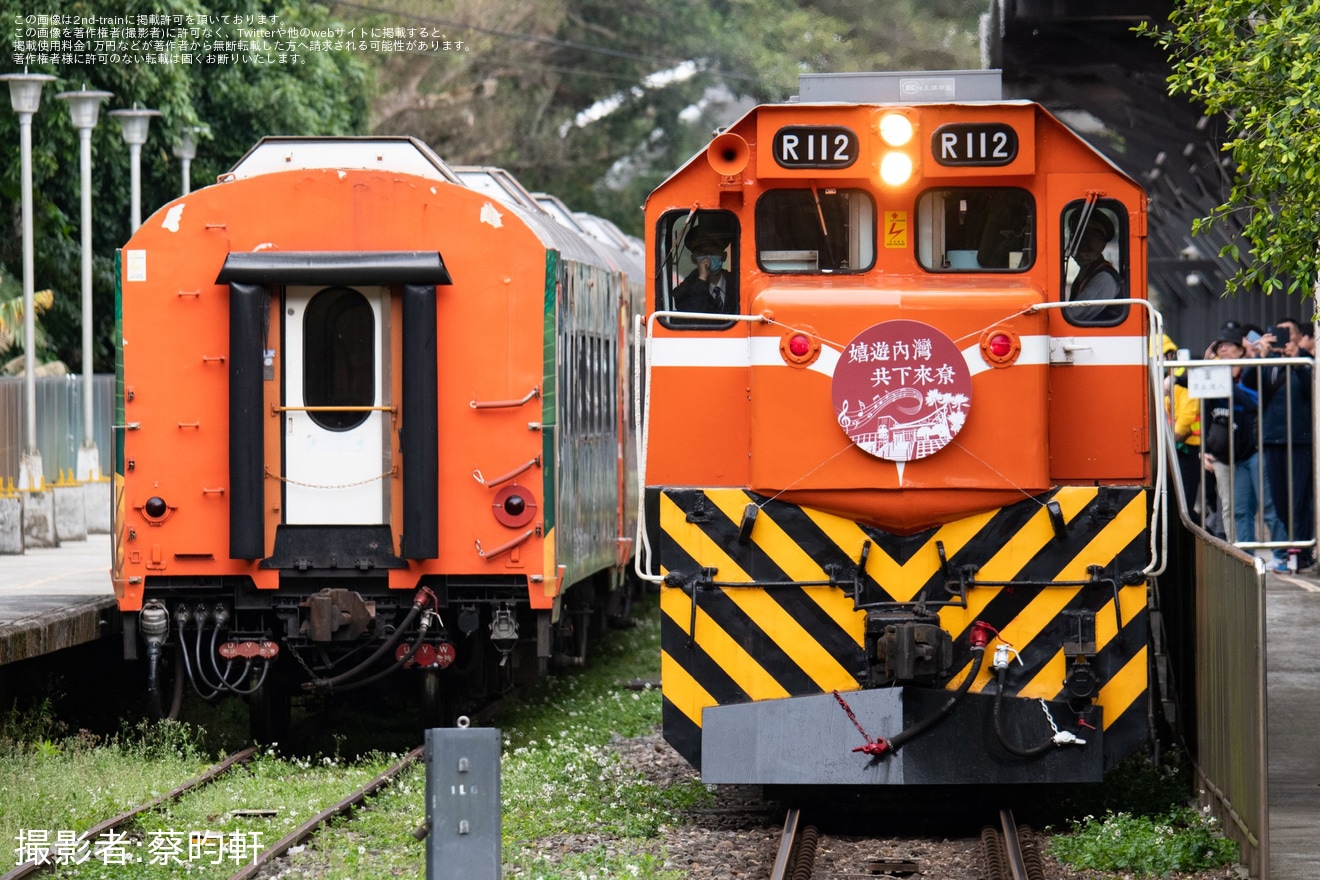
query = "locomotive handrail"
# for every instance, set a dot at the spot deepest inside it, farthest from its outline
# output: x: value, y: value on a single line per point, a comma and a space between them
x: 1159, y: 524
x: 504, y: 478
x: 505, y: 404
x: 276, y: 408
x: 642, y: 415
x: 1155, y: 373
x: 505, y: 547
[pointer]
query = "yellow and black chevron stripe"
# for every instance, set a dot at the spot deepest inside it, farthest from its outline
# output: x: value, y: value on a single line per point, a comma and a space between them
x: 763, y: 608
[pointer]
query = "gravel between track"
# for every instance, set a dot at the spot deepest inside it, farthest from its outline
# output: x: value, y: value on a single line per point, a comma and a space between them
x: 739, y: 839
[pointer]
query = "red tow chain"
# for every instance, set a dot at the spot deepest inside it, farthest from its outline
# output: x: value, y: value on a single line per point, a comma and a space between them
x: 876, y: 748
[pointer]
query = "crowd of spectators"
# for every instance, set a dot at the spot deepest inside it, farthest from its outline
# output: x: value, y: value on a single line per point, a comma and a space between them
x: 1245, y: 459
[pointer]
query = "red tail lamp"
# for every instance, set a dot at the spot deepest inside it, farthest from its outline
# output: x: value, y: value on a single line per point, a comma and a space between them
x: 514, y: 505
x: 799, y: 346
x: 1000, y: 346
x: 155, y: 510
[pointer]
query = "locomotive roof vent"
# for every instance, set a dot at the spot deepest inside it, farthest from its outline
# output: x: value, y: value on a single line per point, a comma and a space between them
x: 902, y: 87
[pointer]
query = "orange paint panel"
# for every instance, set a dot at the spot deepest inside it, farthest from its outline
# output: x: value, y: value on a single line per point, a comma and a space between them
x: 1099, y: 424
x: 701, y: 418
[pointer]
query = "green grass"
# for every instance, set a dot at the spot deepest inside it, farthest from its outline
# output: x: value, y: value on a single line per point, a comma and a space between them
x: 1181, y: 839
x: 54, y: 782
x: 561, y: 788
x: 560, y: 784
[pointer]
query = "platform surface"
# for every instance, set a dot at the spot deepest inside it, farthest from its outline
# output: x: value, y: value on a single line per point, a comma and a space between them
x: 54, y: 597
x: 1292, y: 615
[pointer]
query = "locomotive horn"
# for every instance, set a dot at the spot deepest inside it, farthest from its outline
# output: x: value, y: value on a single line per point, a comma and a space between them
x: 728, y: 154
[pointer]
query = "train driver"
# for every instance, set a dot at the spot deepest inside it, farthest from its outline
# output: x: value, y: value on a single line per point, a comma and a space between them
x: 710, y: 287
x: 1096, y: 278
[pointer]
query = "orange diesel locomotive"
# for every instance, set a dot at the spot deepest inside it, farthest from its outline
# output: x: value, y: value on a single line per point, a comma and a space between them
x: 373, y: 416
x: 898, y: 417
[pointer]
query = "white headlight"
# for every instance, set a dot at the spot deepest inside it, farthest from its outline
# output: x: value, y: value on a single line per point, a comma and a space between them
x: 895, y: 129
x: 896, y: 168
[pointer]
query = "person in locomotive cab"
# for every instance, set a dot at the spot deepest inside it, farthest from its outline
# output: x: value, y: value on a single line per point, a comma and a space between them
x: 710, y: 287
x: 1096, y: 278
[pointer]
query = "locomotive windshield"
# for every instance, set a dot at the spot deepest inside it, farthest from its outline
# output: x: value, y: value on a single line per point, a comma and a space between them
x: 976, y: 229
x: 817, y: 230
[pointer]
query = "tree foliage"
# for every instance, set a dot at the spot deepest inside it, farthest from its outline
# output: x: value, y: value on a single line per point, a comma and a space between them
x: 596, y: 101
x: 239, y: 101
x: 1259, y: 65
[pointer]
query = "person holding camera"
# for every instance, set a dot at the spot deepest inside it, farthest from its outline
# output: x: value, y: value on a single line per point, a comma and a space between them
x: 1229, y: 446
x: 1286, y: 420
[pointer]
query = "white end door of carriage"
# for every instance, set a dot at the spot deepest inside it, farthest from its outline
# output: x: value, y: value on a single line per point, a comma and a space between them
x: 335, y: 453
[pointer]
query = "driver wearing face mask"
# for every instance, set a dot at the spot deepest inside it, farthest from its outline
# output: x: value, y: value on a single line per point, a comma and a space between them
x: 708, y: 287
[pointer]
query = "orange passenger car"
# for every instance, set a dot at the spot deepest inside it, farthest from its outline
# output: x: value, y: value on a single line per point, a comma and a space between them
x: 372, y: 417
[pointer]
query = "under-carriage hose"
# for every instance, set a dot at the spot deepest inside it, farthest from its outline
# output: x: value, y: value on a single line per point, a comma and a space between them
x: 1034, y: 751
x: 423, y: 596
x: 909, y: 733
x: 154, y: 653
x: 153, y: 679
x: 880, y: 748
x: 412, y: 649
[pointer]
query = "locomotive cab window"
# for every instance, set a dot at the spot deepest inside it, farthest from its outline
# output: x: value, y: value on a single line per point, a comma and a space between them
x: 697, y: 262
x: 815, y: 231
x: 982, y: 229
x: 1095, y: 261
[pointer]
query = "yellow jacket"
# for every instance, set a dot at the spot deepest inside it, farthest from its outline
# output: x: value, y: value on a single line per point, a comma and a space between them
x: 1186, y: 416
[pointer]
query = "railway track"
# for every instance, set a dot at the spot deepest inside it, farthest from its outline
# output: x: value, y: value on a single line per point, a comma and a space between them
x: 39, y: 863
x: 345, y: 806
x: 1008, y: 852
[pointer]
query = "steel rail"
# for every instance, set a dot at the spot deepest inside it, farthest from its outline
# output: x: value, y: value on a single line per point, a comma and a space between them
x: 1017, y: 867
x: 345, y: 805
x: 785, y: 857
x: 39, y: 863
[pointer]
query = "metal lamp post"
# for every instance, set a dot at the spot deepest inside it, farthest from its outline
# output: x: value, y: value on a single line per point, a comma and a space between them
x: 84, y: 109
x: 135, y: 123
x: 185, y: 150
x: 25, y: 95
